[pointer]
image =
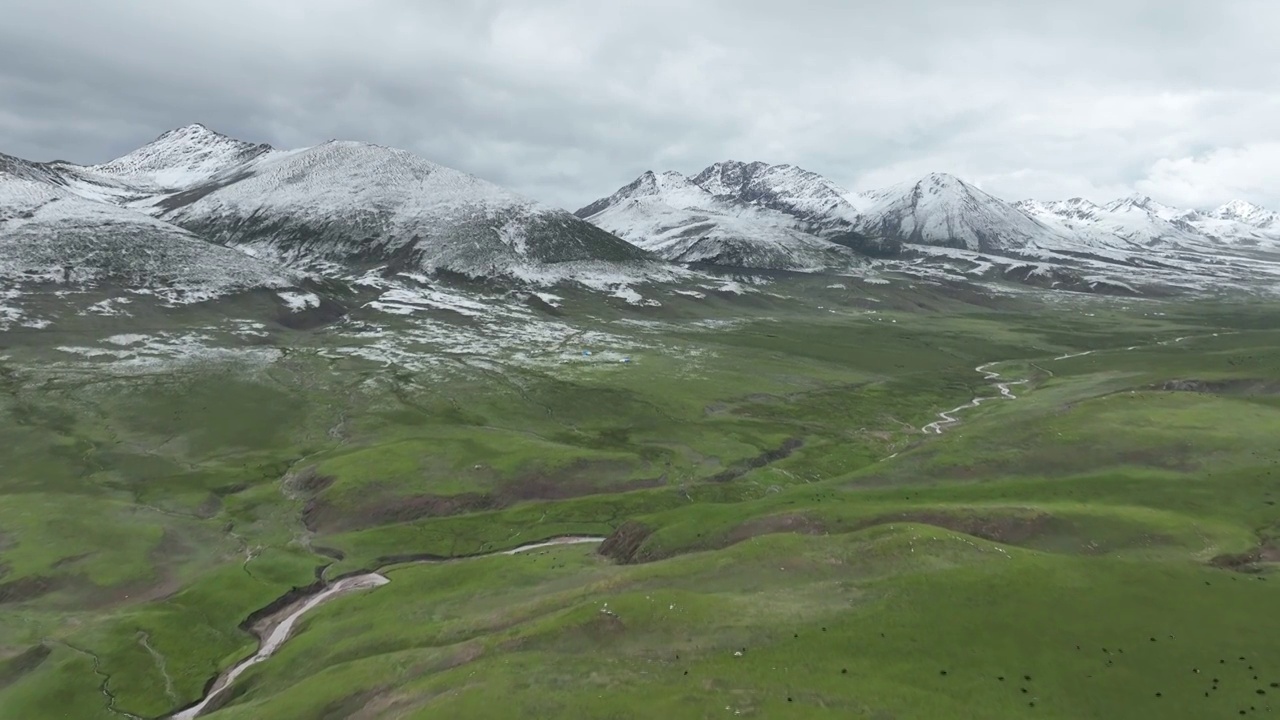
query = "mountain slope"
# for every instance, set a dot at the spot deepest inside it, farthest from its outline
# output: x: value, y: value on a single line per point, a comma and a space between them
x: 1080, y: 225
x: 366, y: 204
x: 354, y: 203
x: 178, y: 159
x: 942, y: 210
x: 683, y: 222
x: 48, y: 233
x: 1248, y: 214
x: 795, y: 191
x: 1238, y: 223
x: 1138, y: 224
x: 749, y: 215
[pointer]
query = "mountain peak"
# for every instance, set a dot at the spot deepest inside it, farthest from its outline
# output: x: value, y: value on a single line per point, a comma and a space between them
x: 938, y: 185
x: 935, y: 183
x: 942, y: 178
x: 648, y: 184
x: 181, y: 157
x: 192, y: 130
x: 1239, y: 206
x: 942, y: 209
x: 199, y: 135
x: 728, y: 177
x: 1136, y: 201
x: 1248, y: 213
x: 1144, y: 203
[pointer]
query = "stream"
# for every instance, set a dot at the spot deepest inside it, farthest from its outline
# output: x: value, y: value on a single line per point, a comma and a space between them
x: 948, y: 418
x: 290, y: 615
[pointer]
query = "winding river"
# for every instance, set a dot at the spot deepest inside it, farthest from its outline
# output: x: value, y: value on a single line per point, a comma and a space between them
x: 948, y: 418
x: 288, y: 617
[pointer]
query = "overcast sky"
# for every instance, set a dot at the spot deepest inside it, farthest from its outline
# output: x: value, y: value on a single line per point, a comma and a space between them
x: 566, y: 100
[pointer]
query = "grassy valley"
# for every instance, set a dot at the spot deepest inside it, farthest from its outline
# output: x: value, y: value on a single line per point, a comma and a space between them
x: 783, y: 539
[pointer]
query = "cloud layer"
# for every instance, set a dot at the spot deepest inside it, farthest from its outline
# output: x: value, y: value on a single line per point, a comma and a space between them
x: 565, y: 100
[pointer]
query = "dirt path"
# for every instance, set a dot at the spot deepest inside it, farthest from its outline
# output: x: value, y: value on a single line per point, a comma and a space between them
x: 285, y: 620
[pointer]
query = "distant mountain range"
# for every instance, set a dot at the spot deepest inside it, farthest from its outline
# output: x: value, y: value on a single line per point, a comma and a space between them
x: 199, y: 213
x: 183, y: 200
x: 784, y: 217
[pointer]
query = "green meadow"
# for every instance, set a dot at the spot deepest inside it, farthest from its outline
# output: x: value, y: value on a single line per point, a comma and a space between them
x: 783, y: 540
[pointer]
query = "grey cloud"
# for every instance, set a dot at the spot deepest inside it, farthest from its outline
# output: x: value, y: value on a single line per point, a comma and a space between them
x: 565, y: 100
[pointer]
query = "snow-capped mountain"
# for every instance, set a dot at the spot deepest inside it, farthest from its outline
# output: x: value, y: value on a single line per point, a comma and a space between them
x: 366, y: 204
x: 176, y: 160
x: 786, y: 188
x: 360, y: 204
x: 780, y: 216
x: 1137, y: 222
x: 1248, y: 214
x: 48, y: 233
x: 737, y: 214
x: 1081, y: 224
x: 198, y: 208
x: 788, y: 217
x: 944, y: 211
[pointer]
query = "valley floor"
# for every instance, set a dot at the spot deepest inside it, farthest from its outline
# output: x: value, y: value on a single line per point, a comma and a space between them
x: 786, y: 535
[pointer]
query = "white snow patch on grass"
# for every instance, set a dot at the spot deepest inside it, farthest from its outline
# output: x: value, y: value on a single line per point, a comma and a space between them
x: 731, y: 286
x: 406, y: 301
x: 625, y: 292
x: 548, y: 298
x: 126, y: 339
x: 109, y: 307
x: 89, y: 352
x: 297, y: 301
x: 10, y: 314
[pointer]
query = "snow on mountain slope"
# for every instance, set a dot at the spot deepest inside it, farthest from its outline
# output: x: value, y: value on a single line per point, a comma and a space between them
x: 1075, y: 209
x: 1234, y: 232
x: 353, y: 203
x: 12, y: 167
x: 48, y: 233
x: 1080, y: 226
x: 1141, y: 220
x: 177, y: 159
x: 942, y: 210
x: 681, y: 221
x: 1138, y: 224
x: 367, y: 204
x: 751, y: 214
x: 1249, y: 214
x: 740, y: 214
x: 1145, y: 204
x: 345, y: 206
x: 1240, y: 224
x: 787, y: 188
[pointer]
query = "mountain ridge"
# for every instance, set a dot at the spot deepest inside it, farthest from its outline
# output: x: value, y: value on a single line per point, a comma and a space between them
x: 351, y: 207
x: 943, y: 210
x: 747, y: 214
x: 349, y: 202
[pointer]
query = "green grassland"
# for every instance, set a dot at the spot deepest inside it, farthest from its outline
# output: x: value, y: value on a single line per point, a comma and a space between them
x: 1111, y: 533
